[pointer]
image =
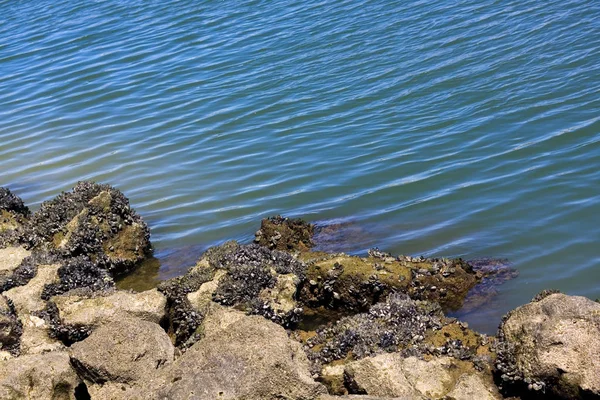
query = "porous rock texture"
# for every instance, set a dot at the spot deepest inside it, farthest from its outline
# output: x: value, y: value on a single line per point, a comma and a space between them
x: 392, y: 375
x: 38, y: 377
x: 552, y: 346
x: 240, y: 357
x: 123, y: 351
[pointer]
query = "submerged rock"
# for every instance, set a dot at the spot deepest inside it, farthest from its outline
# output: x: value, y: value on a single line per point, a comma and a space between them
x: 92, y: 220
x: 13, y: 215
x: 551, y: 345
x: 286, y: 234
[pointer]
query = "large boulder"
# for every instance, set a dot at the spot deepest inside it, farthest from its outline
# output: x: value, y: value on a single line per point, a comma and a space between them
x: 102, y: 307
x: 93, y: 220
x: 122, y: 351
x: 552, y: 345
x: 391, y: 375
x: 239, y: 357
x: 13, y: 215
x: 42, y: 376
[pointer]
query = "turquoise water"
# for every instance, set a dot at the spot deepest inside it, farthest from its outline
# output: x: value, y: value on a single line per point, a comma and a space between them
x: 467, y: 128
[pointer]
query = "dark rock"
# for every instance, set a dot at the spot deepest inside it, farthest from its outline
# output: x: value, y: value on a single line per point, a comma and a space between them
x: 92, y: 220
x: 10, y: 327
x: 80, y: 272
x: 13, y: 214
x: 285, y: 234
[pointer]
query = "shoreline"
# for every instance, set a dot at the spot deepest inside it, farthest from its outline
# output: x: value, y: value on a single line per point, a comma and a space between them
x: 361, y: 317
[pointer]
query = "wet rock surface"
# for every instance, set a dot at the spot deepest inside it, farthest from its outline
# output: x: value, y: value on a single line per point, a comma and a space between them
x: 369, y: 327
x: 551, y: 346
x: 286, y: 234
x: 13, y: 215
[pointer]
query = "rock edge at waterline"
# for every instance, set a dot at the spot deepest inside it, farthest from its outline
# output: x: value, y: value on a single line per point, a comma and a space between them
x: 236, y: 325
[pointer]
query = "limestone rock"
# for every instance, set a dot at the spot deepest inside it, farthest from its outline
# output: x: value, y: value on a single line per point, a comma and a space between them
x: 11, y: 258
x: 391, y: 375
x: 36, y: 338
x: 122, y: 351
x: 27, y: 299
x: 553, y: 345
x: 43, y: 376
x: 249, y: 359
x: 85, y: 311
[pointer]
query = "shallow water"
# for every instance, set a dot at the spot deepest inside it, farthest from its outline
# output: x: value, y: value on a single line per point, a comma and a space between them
x: 466, y: 128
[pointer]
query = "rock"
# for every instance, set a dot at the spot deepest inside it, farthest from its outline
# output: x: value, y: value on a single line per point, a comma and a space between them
x: 250, y: 358
x: 552, y: 345
x: 122, y: 351
x: 36, y: 337
x: 13, y: 214
x: 353, y: 283
x: 27, y: 299
x: 43, y: 376
x: 397, y: 323
x: 94, y: 311
x: 10, y: 327
x: 278, y: 233
x: 11, y: 258
x: 93, y: 220
x: 391, y: 375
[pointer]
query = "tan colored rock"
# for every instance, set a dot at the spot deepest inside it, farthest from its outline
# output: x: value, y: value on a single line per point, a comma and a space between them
x: 11, y: 258
x: 122, y: 351
x: 201, y: 298
x: 35, y: 338
x: 281, y: 297
x: 391, y: 375
x: 36, y: 377
x: 27, y: 299
x: 76, y: 310
x: 248, y: 358
x: 556, y: 341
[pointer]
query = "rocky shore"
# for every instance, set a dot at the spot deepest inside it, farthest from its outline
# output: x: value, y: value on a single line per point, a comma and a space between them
x: 268, y: 320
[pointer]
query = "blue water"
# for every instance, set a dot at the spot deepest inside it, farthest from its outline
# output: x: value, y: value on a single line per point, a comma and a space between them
x: 466, y: 128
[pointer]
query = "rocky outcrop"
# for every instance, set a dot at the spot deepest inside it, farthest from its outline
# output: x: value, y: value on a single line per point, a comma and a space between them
x: 552, y: 345
x: 101, y: 307
x: 123, y: 351
x: 42, y: 376
x: 13, y: 215
x: 355, y: 283
x: 92, y: 221
x: 391, y: 375
x: 399, y: 324
x: 285, y: 234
